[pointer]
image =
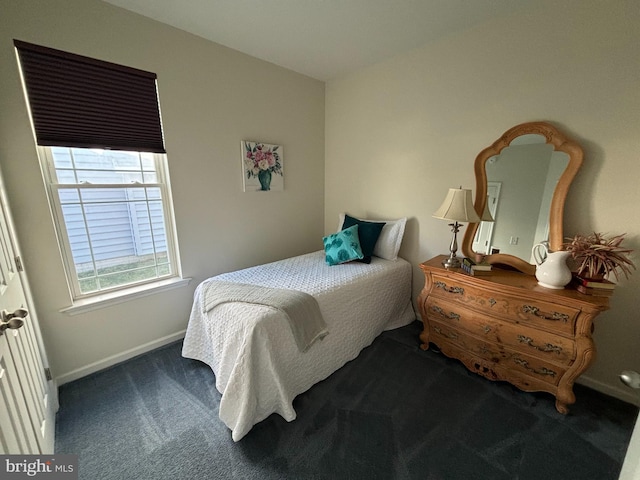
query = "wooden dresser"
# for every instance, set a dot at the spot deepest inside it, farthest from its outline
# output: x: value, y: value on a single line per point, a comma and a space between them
x: 504, y: 326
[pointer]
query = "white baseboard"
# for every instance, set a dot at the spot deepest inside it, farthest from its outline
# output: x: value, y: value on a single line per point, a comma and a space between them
x: 621, y: 393
x: 118, y: 358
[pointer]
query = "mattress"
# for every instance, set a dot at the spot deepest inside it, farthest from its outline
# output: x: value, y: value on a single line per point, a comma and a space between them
x: 258, y: 367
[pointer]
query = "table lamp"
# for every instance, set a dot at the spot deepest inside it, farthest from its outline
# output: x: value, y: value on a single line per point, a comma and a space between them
x: 458, y: 207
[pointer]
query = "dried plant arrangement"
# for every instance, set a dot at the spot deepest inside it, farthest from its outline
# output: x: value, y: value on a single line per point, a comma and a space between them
x: 598, y: 255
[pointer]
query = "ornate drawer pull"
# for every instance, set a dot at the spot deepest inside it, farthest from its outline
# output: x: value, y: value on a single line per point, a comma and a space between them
x: 556, y: 316
x: 542, y: 371
x: 548, y: 347
x: 492, y: 301
x: 486, y: 328
x: 484, y: 350
x: 444, y: 287
x: 450, y: 315
x: 449, y: 335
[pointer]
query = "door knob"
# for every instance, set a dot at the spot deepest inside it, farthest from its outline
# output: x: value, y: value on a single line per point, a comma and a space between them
x: 17, y: 313
x: 12, y: 320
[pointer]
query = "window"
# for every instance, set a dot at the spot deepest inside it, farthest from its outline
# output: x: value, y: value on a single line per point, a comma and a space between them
x: 111, y: 209
x: 101, y: 148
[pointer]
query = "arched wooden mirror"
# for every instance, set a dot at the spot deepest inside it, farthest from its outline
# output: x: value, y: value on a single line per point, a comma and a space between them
x: 522, y: 179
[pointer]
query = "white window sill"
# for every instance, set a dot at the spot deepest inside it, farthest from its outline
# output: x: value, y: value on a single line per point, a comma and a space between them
x: 112, y: 298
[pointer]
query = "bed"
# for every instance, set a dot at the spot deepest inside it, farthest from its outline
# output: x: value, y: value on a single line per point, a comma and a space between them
x: 258, y: 364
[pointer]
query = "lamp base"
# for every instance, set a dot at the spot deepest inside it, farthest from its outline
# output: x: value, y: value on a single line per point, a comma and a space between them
x: 451, y: 262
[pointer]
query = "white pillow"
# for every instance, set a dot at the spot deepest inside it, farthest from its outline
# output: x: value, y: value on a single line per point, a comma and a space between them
x: 390, y: 238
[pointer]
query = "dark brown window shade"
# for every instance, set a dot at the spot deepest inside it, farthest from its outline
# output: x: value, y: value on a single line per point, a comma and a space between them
x: 77, y: 101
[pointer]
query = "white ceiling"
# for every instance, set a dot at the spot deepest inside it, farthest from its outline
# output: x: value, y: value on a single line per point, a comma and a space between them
x: 323, y: 39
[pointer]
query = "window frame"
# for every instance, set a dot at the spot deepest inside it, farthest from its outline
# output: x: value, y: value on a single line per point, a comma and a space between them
x: 110, y: 294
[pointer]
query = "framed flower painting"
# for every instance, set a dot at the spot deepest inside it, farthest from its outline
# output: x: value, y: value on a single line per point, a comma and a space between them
x: 262, y: 167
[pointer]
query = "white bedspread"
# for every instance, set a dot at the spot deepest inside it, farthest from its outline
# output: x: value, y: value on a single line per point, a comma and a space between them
x: 250, y: 348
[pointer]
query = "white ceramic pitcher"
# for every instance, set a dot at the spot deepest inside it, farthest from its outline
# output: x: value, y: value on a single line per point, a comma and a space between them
x: 551, y: 267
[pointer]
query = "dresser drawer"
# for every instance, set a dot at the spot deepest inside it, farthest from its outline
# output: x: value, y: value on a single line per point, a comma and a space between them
x: 539, y: 314
x: 551, y: 347
x: 495, y: 371
x: 501, y: 355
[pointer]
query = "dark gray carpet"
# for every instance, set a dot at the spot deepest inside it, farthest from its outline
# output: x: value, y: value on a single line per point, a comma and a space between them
x: 395, y: 412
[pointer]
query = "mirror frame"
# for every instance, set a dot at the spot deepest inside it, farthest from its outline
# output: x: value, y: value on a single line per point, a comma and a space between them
x: 556, y: 214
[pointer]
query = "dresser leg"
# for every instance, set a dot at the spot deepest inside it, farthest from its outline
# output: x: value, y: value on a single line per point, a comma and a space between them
x: 561, y: 407
x: 564, y: 397
x: 424, y: 337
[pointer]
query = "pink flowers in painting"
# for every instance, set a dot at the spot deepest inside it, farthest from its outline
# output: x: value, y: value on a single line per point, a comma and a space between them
x: 261, y: 157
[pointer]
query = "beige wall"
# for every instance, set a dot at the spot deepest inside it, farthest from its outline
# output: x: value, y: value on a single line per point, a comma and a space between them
x: 400, y: 133
x: 211, y: 98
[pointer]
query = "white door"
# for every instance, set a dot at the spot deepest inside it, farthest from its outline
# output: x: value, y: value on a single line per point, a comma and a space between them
x: 27, y: 398
x: 484, y: 234
x: 631, y: 465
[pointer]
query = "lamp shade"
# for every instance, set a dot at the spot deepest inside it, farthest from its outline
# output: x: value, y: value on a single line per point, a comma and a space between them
x: 458, y: 206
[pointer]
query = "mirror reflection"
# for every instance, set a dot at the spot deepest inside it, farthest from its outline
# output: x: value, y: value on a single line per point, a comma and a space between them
x: 521, y: 180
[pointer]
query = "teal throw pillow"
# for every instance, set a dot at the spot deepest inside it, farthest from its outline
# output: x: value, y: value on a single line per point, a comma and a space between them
x: 343, y: 246
x: 368, y: 232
